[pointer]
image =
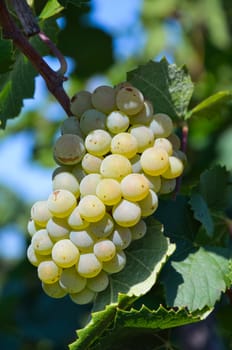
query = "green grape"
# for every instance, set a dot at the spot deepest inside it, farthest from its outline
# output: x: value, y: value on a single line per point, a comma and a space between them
x: 154, y: 182
x: 71, y: 125
x: 175, y: 141
x: 61, y: 203
x: 58, y: 228
x: 121, y: 237
x: 92, y: 120
x: 102, y: 228
x: 40, y: 213
x: 161, y: 125
x: 149, y: 204
x: 76, y: 221
x: 53, y: 290
x: 175, y: 168
x: 86, y: 296
x: 78, y: 172
x: 83, y: 240
x: 116, y: 264
x: 98, y: 142
x: 138, y: 230
x: 71, y: 281
x: 61, y: 169
x: 104, y: 250
x: 103, y: 99
x: 117, y: 122
x: 65, y: 253
x: 134, y: 187
x: 35, y: 258
x: 136, y: 165
x: 49, y: 272
x: 89, y: 184
x: 181, y: 155
x: 41, y: 242
x: 129, y: 100
x: 91, y: 208
x: 144, y: 116
x: 66, y: 181
x: 115, y: 166
x: 126, y: 213
x: 109, y: 191
x: 80, y: 103
x: 167, y: 186
x: 88, y: 265
x: 121, y: 85
x: 32, y: 227
x: 91, y: 164
x: 124, y: 144
x: 165, y: 144
x: 98, y: 283
x: 154, y: 161
x: 143, y: 135
x: 69, y: 149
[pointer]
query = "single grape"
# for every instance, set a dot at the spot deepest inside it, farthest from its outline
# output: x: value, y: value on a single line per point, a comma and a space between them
x: 139, y: 230
x: 121, y: 85
x: 83, y: 240
x: 129, y: 100
x: 165, y: 144
x: 109, y: 191
x: 91, y: 164
x: 88, y: 265
x: 41, y: 242
x: 40, y: 213
x: 154, y: 182
x: 91, y: 208
x: 144, y: 116
x: 61, y: 169
x: 121, y: 237
x: 167, y: 186
x: 66, y: 181
x: 116, y: 264
x: 34, y: 258
x: 103, y: 99
x: 103, y: 227
x: 86, y: 296
x: 61, y: 203
x: 143, y: 135
x: 65, y: 253
x: 78, y: 172
x: 89, y: 184
x: 98, y: 283
x: 98, y: 142
x: 58, y: 228
x: 76, y: 221
x: 53, y: 290
x: 117, y: 122
x: 80, y: 103
x: 49, y: 272
x: 32, y: 227
x: 134, y: 187
x: 71, y: 281
x: 149, y: 204
x: 69, y: 149
x: 175, y: 168
x: 136, y: 165
x: 175, y: 141
x: 181, y: 155
x: 126, y: 213
x: 124, y: 144
x: 154, y: 161
x: 92, y: 120
x: 115, y: 166
x: 71, y: 125
x: 161, y: 125
x: 104, y: 250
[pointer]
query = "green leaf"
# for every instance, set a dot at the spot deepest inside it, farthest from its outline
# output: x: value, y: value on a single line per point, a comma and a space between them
x: 6, y: 55
x: 51, y: 8
x: 167, y: 86
x: 201, y: 212
x: 77, y: 3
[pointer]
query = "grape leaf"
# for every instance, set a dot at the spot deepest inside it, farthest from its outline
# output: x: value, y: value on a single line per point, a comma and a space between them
x: 51, y: 8
x: 201, y: 212
x: 167, y: 86
x: 6, y: 55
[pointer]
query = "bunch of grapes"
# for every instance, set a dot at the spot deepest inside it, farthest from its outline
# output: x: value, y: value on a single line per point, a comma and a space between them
x: 114, y: 156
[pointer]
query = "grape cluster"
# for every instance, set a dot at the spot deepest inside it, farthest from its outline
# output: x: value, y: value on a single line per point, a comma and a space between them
x: 114, y: 156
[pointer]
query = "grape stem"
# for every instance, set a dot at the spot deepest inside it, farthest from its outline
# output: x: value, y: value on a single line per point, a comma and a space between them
x: 54, y: 80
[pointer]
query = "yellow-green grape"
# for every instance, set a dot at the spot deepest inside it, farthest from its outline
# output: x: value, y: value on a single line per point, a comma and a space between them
x: 161, y: 125
x: 69, y: 149
x: 165, y: 144
x: 49, y: 271
x: 98, y: 142
x: 121, y: 237
x: 91, y: 164
x: 54, y: 290
x: 103, y: 99
x: 41, y: 242
x: 61, y: 169
x: 76, y: 221
x: 78, y: 172
x: 129, y: 100
x: 89, y: 184
x: 149, y: 204
x: 32, y: 227
x: 61, y: 203
x: 88, y: 265
x: 154, y: 182
x: 126, y: 213
x: 65, y: 253
x: 116, y: 264
x: 58, y: 228
x: 154, y: 161
x: 104, y: 250
x: 92, y: 120
x: 175, y: 168
x: 167, y: 186
x: 66, y: 181
x: 102, y: 228
x: 143, y: 135
x: 80, y: 103
x: 34, y: 258
x: 71, y: 125
x: 139, y: 230
x: 136, y: 165
x: 71, y: 281
x: 83, y: 240
x: 109, y: 191
x: 115, y: 166
x: 175, y: 141
x: 134, y: 187
x: 181, y: 155
x: 91, y: 208
x: 86, y: 296
x: 124, y: 144
x: 117, y: 122
x: 121, y: 85
x: 98, y: 283
x: 40, y: 213
x: 144, y: 116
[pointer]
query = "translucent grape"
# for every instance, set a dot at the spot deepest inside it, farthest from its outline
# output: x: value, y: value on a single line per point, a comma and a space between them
x: 49, y: 272
x: 35, y: 258
x: 91, y: 208
x: 126, y: 213
x: 32, y: 227
x: 89, y: 184
x: 69, y: 149
x: 86, y: 296
x: 66, y: 181
x: 175, y: 141
x: 175, y: 168
x: 76, y: 221
x: 65, y: 253
x: 88, y: 265
x: 103, y: 99
x: 61, y: 203
x: 98, y: 283
x: 121, y: 237
x: 41, y: 242
x: 144, y: 116
x: 40, y: 213
x: 58, y: 229
x: 121, y: 85
x: 104, y: 250
x: 181, y: 155
x: 143, y: 135
x: 98, y: 142
x: 71, y: 281
x: 53, y: 290
x: 61, y: 169
x: 136, y: 165
x: 139, y: 230
x: 149, y: 204
x: 124, y: 144
x: 116, y: 264
x: 134, y: 187
x: 78, y: 172
x: 71, y: 125
x: 91, y: 164
x: 115, y: 166
x: 165, y: 144
x: 102, y: 228
x: 154, y: 161
x: 167, y: 186
x: 83, y: 240
x: 91, y: 120
x: 117, y: 122
x: 154, y: 182
x: 129, y: 100
x: 109, y: 191
x: 80, y: 103
x: 161, y: 125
